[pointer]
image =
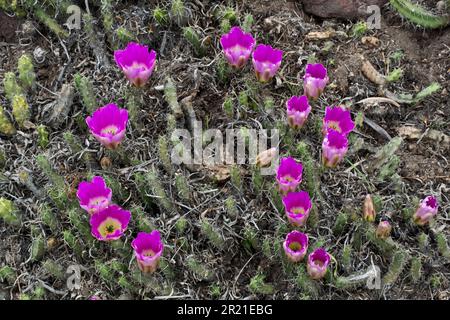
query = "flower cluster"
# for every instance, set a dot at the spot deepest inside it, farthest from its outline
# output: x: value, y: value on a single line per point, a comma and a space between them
x: 238, y: 46
x: 109, y: 222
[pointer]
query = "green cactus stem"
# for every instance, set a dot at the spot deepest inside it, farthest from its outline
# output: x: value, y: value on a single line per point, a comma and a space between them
x: 419, y: 15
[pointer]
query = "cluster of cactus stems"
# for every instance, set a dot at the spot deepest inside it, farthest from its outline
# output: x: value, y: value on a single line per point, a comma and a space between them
x: 154, y: 182
x: 340, y: 223
x: 6, y: 127
x: 182, y: 186
x: 160, y: 15
x: 306, y: 284
x: 164, y: 153
x: 398, y: 263
x: 7, y: 274
x: 442, y: 245
x: 416, y: 269
x: 42, y: 136
x: 48, y: 217
x: 27, y: 75
x: 418, y: 15
x: 193, y: 37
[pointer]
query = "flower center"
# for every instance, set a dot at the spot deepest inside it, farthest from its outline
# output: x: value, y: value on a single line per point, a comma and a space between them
x: 288, y: 178
x: 97, y: 201
x: 111, y: 129
x: 148, y: 253
x: 318, y: 263
x: 334, y: 125
x: 295, y: 246
x: 298, y: 210
x: 109, y: 226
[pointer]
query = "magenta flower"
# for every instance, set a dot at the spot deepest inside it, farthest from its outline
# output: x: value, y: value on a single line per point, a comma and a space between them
x: 237, y: 46
x: 289, y: 175
x: 136, y: 62
x: 108, y: 125
x: 334, y: 148
x: 148, y: 249
x: 298, y: 109
x: 295, y: 245
x: 338, y: 119
x: 266, y: 62
x: 110, y: 223
x: 318, y: 262
x: 383, y: 230
x: 315, y: 80
x: 297, y: 206
x: 94, y: 196
x: 427, y: 209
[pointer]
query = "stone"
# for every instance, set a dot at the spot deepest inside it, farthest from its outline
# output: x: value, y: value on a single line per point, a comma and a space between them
x: 348, y: 9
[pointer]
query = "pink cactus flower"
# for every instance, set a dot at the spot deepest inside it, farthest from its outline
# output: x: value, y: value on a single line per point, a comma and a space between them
x: 295, y: 245
x: 298, y: 109
x: 94, y: 196
x: 266, y: 62
x: 338, y: 119
x: 148, y: 249
x: 317, y: 264
x: 110, y: 223
x: 237, y: 46
x: 314, y: 80
x: 289, y: 175
x: 108, y: 125
x: 136, y: 62
x: 334, y: 148
x: 297, y: 206
x: 426, y: 211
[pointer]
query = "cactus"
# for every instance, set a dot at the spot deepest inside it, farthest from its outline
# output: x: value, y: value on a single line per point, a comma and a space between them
x: 164, y: 153
x: 399, y: 260
x: 37, y: 248
x: 225, y: 26
x: 248, y: 22
x: 182, y: 186
x: 9, y: 212
x: 79, y: 223
x: 251, y: 239
x: 347, y: 256
x: 10, y: 85
x: 54, y: 269
x: 6, y: 126
x: 259, y: 286
x: 86, y: 91
x: 72, y: 243
x: 359, y: 29
x: 160, y: 15
x: 181, y: 225
x: 442, y: 246
x: 423, y: 241
x: 155, y: 185
x: 20, y: 109
x: 194, y: 39
x: 143, y: 223
x: 27, y: 76
x: 108, y: 18
x: 305, y: 283
x: 235, y: 176
x: 199, y: 269
x: 394, y: 75
x: 231, y: 207
x: 170, y: 94
x: 257, y: 179
x: 46, y: 167
x: 48, y: 217
x: 268, y: 247
x: 42, y: 136
x: 124, y: 35
x: 212, y: 234
x: 179, y: 13
x: 7, y: 274
x: 416, y: 269
x: 419, y: 15
x: 48, y: 21
x: 340, y: 224
x: 105, y: 272
x: 223, y: 71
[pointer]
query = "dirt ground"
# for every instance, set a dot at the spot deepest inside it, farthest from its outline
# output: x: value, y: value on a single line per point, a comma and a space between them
x: 218, y: 254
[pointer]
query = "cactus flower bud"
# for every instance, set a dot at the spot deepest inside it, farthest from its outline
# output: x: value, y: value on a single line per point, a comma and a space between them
x: 427, y: 209
x: 148, y: 249
x: 369, y: 213
x: 383, y: 230
x: 295, y: 245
